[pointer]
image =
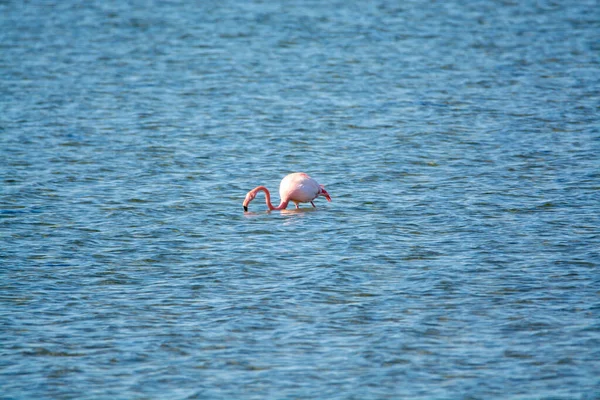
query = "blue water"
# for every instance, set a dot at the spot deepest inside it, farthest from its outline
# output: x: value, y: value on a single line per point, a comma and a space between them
x: 459, y: 257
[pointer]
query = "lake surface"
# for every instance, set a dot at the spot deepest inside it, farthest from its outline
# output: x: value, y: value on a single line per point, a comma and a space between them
x: 459, y: 257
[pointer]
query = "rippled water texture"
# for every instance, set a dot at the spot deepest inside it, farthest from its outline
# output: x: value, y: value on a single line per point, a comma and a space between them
x: 459, y: 257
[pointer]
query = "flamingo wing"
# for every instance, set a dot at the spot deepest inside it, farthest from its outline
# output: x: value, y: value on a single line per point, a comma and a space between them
x: 299, y: 187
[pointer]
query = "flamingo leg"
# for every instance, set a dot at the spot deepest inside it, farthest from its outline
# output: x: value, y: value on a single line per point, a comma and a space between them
x: 313, y: 204
x: 297, y: 205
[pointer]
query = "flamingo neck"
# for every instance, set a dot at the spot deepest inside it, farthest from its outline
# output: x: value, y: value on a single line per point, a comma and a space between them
x: 281, y: 205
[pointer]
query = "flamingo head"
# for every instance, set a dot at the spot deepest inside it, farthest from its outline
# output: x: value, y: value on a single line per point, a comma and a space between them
x: 249, y: 197
x: 324, y: 193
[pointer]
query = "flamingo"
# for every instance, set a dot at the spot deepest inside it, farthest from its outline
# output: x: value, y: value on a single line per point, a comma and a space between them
x: 297, y: 188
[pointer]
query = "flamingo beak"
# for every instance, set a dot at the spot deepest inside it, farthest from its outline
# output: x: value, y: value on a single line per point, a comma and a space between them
x: 245, y: 208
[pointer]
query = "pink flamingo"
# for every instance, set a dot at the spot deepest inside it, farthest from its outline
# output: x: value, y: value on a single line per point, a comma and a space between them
x: 297, y: 188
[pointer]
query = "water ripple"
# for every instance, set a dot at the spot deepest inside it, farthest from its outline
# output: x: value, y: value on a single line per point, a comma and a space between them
x: 459, y: 143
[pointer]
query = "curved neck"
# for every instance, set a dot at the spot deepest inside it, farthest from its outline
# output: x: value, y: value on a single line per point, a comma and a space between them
x: 281, y: 205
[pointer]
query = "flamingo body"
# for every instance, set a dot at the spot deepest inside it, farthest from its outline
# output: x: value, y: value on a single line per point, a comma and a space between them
x: 297, y: 188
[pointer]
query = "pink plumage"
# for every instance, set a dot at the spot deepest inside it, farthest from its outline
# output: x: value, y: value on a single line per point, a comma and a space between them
x: 296, y: 188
